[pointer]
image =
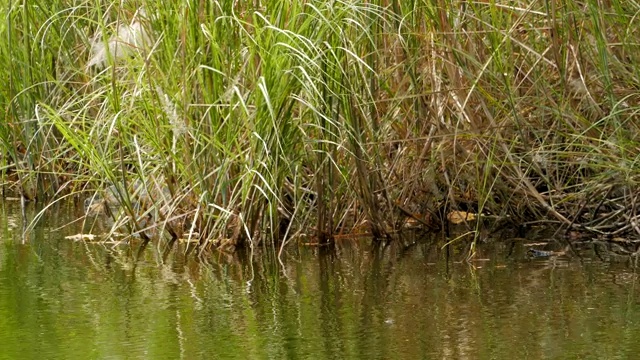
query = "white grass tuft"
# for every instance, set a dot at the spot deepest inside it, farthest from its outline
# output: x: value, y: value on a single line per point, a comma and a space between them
x: 128, y: 40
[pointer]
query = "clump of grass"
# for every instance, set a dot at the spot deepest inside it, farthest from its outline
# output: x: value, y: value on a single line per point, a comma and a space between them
x: 244, y: 124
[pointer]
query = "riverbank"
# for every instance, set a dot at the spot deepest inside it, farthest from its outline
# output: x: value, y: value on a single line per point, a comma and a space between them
x: 262, y: 125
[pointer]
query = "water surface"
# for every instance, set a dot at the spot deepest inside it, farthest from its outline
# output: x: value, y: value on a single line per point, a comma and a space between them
x: 61, y: 299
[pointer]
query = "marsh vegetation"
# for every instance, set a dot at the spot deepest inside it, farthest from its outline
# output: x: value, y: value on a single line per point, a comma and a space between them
x: 263, y: 122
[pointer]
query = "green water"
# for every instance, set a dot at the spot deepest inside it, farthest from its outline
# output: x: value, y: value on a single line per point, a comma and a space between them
x: 66, y: 300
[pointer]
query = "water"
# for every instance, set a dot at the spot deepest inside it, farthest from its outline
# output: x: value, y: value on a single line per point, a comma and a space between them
x: 61, y: 299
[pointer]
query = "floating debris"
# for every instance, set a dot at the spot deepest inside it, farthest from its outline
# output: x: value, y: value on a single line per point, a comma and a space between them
x: 82, y: 237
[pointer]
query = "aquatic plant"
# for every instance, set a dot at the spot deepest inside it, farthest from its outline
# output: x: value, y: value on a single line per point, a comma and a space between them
x: 264, y: 122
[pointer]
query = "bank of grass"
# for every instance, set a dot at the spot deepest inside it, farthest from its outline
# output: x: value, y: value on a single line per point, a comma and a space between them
x: 276, y: 119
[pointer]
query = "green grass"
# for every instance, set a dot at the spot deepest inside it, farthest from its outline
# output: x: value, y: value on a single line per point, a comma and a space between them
x: 254, y: 125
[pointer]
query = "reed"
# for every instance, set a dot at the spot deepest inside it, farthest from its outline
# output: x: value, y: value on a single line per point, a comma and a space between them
x: 256, y: 123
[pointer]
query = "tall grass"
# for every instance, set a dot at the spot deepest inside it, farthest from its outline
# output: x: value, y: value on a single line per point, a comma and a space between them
x: 239, y: 122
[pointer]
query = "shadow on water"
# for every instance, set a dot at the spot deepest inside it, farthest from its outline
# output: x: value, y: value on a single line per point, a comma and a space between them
x: 405, y: 299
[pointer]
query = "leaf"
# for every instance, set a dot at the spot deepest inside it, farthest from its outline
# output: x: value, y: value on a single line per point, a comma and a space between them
x: 458, y: 217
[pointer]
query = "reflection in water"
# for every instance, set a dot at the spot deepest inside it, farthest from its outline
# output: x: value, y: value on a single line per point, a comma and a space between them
x: 62, y: 299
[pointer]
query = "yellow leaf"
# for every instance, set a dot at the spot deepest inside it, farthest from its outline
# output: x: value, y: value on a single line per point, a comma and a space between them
x: 458, y: 217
